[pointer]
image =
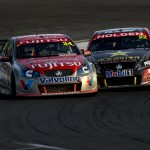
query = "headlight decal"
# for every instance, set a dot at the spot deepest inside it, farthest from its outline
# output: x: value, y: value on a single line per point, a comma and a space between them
x: 29, y: 73
x: 85, y: 69
x: 146, y: 75
x: 90, y: 80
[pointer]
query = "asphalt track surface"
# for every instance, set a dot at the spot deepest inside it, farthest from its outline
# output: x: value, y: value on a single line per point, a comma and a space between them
x: 114, y: 119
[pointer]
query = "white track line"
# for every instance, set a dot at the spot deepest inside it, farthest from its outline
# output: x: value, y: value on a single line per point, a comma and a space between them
x: 32, y: 145
x: 36, y: 146
x: 28, y: 148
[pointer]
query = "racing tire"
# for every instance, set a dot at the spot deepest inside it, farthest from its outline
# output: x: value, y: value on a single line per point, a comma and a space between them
x: 13, y: 86
x: 98, y: 84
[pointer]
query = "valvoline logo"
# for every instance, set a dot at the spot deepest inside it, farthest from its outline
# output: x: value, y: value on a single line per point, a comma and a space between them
x: 60, y: 79
x: 27, y: 85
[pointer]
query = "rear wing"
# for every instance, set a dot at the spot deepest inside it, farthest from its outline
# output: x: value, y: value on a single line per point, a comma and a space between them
x: 2, y: 44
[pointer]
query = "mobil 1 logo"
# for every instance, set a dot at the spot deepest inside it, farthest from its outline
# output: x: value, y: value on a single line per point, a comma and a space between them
x: 119, y: 73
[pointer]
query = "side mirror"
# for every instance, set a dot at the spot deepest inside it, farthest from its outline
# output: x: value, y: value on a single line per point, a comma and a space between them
x: 82, y: 50
x: 86, y: 52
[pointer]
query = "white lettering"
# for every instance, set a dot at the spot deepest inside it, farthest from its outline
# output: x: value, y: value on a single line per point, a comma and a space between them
x: 139, y: 33
x: 100, y: 36
x: 60, y: 79
x: 116, y: 35
x: 79, y: 64
x: 42, y: 66
x: 119, y: 34
x: 124, y: 34
x: 108, y: 35
x: 62, y: 64
x: 29, y: 73
x: 131, y: 34
x: 55, y: 65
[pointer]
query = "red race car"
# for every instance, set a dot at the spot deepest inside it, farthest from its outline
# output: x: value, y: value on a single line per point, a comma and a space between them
x: 45, y: 64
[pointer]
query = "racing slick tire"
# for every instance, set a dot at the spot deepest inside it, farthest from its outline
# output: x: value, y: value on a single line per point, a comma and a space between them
x: 98, y: 84
x: 13, y: 86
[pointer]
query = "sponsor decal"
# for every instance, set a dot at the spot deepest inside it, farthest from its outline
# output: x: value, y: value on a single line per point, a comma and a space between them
x: 119, y: 59
x: 90, y: 80
x: 100, y: 36
x: 142, y: 37
x: 29, y: 73
x: 147, y: 63
x: 147, y: 78
x: 50, y: 65
x: 46, y: 40
x: 146, y: 75
x: 68, y: 79
x: 58, y: 73
x: 55, y: 60
x: 118, y: 66
x: 67, y: 44
x: 27, y: 85
x: 119, y: 53
x: 118, y: 73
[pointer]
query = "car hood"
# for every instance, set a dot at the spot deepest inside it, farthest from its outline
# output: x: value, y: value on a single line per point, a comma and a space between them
x: 115, y: 56
x: 41, y: 64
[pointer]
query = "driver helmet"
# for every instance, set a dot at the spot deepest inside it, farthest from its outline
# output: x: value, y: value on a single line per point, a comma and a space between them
x: 29, y: 51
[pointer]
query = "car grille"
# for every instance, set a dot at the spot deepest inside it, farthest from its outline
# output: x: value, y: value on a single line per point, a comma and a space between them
x: 119, y: 81
x: 112, y: 66
x: 52, y: 73
x: 60, y: 88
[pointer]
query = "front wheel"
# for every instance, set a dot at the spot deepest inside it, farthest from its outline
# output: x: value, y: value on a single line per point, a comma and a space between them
x: 98, y: 84
x: 13, y: 86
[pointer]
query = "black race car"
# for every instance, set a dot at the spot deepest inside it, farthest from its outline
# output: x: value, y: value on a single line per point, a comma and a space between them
x: 121, y: 56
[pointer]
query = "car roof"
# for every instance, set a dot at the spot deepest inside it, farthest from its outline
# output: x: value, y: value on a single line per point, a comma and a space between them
x: 115, y: 30
x: 41, y: 38
x: 37, y: 36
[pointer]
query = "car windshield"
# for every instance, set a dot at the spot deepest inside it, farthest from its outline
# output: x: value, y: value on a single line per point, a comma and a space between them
x: 46, y: 49
x: 120, y: 43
